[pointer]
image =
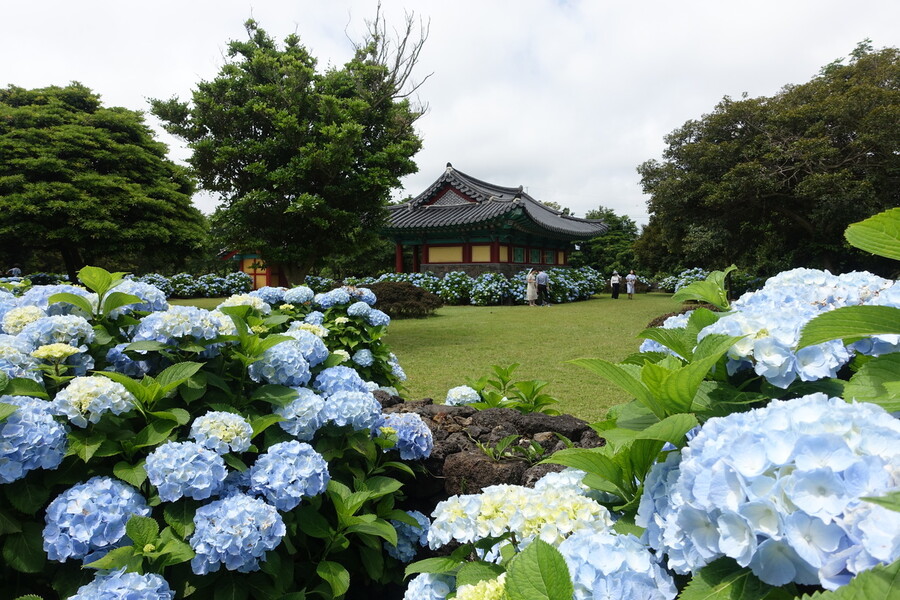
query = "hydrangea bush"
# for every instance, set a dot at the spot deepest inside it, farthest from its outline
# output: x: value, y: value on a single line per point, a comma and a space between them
x: 189, y: 449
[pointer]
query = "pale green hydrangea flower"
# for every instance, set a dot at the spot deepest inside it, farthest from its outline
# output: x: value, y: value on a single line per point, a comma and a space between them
x: 487, y: 589
x: 55, y: 352
x: 310, y: 327
x: 345, y: 356
x: 15, y: 320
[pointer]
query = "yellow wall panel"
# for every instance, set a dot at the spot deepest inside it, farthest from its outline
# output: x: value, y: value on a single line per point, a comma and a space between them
x: 560, y: 258
x: 445, y: 254
x: 481, y: 254
x: 504, y: 253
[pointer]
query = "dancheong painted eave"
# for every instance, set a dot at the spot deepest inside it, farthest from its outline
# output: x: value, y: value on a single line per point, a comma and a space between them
x: 459, y: 202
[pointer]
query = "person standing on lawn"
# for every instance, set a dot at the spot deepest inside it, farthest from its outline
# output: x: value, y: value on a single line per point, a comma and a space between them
x: 615, y: 282
x: 630, y: 280
x: 531, y: 293
x: 543, y: 288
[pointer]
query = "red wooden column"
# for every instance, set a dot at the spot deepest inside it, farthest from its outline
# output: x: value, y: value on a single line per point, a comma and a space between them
x: 495, y: 251
x: 398, y: 257
x: 419, y: 255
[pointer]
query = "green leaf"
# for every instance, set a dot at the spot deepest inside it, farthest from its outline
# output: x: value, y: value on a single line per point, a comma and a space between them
x: 179, y: 415
x: 142, y: 530
x: 74, y: 299
x: 173, y: 550
x: 881, y: 582
x: 117, y: 300
x: 379, y: 528
x: 850, y: 322
x: 440, y: 564
x: 671, y: 429
x: 891, y: 500
x: 177, y: 374
x: 20, y: 386
x: 6, y: 410
x: 260, y: 424
x: 675, y: 340
x: 593, y: 462
x: 24, y: 551
x: 132, y: 385
x: 711, y: 290
x: 539, y: 573
x: 146, y: 346
x: 154, y: 433
x: 312, y: 523
x: 870, y: 383
x: 277, y: 395
x: 29, y: 597
x: 474, y: 572
x: 336, y: 576
x: 231, y: 587
x: 879, y: 234
x: 9, y: 524
x: 180, y: 517
x: 381, y: 486
x: 132, y: 474
x: 723, y: 579
x: 96, y: 279
x: 26, y: 497
x: 622, y: 376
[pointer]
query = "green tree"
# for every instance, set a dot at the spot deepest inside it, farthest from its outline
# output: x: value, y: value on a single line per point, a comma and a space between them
x: 614, y: 250
x: 557, y: 206
x: 304, y: 161
x: 90, y: 183
x: 771, y: 183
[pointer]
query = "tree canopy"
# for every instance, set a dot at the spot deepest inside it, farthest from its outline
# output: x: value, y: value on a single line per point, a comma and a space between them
x: 612, y: 251
x: 772, y: 183
x: 304, y: 161
x: 90, y: 183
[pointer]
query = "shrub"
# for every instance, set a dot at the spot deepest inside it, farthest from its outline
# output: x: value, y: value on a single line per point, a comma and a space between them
x: 401, y: 299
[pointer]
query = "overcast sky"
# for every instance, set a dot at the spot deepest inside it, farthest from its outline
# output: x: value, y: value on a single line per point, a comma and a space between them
x: 564, y: 97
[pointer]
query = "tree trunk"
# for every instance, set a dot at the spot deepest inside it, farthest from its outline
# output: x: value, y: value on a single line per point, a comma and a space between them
x: 295, y: 273
x: 73, y: 261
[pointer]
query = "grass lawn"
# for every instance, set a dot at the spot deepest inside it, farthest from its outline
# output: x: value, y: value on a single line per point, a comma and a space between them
x: 462, y: 342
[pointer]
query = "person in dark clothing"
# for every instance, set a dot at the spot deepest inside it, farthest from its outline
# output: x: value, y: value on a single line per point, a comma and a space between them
x: 615, y: 282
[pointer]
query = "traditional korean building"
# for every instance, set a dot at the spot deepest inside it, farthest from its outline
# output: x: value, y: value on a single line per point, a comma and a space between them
x: 464, y: 224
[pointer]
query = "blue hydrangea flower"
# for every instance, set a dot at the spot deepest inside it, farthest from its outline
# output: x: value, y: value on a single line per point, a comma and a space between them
x: 409, y: 537
x: 396, y: 370
x: 30, y: 438
x: 339, y: 379
x: 119, y: 585
x: 39, y: 296
x: 314, y: 318
x: 360, y: 410
x: 311, y: 346
x: 253, y: 301
x: 182, y: 323
x: 460, y: 395
x: 154, y: 299
x: 377, y: 318
x: 236, y: 531
x: 185, y: 469
x: 778, y: 490
x: 363, y: 294
x: 270, y: 295
x: 282, y: 364
x: 119, y: 361
x: 16, y: 359
x: 288, y: 472
x: 332, y: 298
x: 60, y: 329
x: 89, y: 398
x: 414, y: 438
x: 606, y: 565
x: 303, y: 416
x: 429, y: 586
x: 90, y: 517
x: 298, y: 295
x: 359, y: 309
x: 364, y: 357
x: 222, y: 432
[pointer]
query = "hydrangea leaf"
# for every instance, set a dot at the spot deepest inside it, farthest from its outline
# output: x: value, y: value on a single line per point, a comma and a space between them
x: 117, y: 300
x: 891, y: 500
x: 154, y: 433
x: 9, y: 524
x: 711, y: 290
x: 335, y: 575
x: 676, y: 340
x: 539, y: 573
x: 723, y: 579
x: 133, y: 474
x: 6, y: 410
x: 473, y: 572
x: 625, y: 378
x: 96, y: 279
x: 173, y: 550
x: 20, y: 386
x: 850, y: 322
x: 870, y: 383
x: 24, y: 551
x: 381, y: 486
x: 180, y: 516
x: 277, y: 395
x: 177, y: 374
x: 262, y: 423
x: 439, y: 564
x: 74, y: 299
x: 142, y: 530
x: 879, y: 234
x: 882, y: 581
x: 27, y: 496
x: 378, y: 527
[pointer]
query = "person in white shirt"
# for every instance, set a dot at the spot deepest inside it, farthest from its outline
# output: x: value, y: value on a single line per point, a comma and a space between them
x: 615, y: 281
x: 630, y: 280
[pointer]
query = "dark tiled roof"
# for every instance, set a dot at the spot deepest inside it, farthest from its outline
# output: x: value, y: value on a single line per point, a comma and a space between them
x: 457, y: 200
